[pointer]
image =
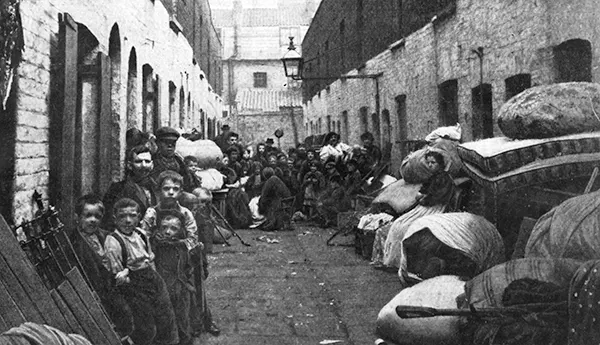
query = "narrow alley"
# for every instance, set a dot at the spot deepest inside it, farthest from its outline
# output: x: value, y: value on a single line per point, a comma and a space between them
x: 296, y: 291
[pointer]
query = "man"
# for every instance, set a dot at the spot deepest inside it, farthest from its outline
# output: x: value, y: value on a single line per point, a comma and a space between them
x: 269, y: 148
x: 137, y: 184
x: 371, y: 152
x: 233, y: 140
x: 166, y: 158
x: 221, y: 139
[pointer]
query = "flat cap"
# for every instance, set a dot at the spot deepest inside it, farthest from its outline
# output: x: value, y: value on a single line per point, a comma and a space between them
x: 167, y: 133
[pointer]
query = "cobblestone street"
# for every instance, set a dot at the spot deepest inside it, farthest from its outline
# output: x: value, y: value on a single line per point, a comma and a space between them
x: 297, y: 291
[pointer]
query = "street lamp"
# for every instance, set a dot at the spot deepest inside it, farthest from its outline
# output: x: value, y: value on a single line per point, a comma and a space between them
x: 292, y: 62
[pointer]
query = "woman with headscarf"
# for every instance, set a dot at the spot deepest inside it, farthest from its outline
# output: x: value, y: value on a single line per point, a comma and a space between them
x: 270, y: 204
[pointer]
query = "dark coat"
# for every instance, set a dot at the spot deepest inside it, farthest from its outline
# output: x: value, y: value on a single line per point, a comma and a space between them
x: 126, y: 189
x: 270, y: 205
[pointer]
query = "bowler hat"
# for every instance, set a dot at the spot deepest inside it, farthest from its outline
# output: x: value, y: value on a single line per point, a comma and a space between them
x: 167, y: 133
x: 224, y: 127
x: 270, y: 141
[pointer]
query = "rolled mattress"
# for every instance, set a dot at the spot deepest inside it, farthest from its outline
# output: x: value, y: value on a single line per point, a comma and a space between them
x: 495, y: 156
x: 537, y: 172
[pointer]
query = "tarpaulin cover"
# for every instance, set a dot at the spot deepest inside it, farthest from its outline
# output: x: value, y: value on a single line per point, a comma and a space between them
x: 569, y: 230
x: 486, y: 289
x: 35, y: 334
x: 471, y: 234
x: 438, y: 292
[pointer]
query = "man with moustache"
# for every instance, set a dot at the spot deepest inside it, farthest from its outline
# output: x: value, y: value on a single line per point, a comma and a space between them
x: 137, y: 184
x: 166, y: 159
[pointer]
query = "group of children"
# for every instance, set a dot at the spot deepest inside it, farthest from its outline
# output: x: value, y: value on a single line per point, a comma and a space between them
x: 149, y: 270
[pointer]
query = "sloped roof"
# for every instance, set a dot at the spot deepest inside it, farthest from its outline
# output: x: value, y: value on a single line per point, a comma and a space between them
x: 292, y: 15
x: 253, y: 100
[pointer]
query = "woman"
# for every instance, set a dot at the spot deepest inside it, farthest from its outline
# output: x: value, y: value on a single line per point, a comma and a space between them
x: 433, y: 198
x: 270, y: 204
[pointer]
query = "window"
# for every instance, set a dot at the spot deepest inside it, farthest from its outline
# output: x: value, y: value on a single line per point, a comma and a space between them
x: 364, y: 119
x: 286, y: 32
x: 483, y: 120
x: 260, y: 79
x: 402, y: 125
x: 517, y: 84
x: 448, y: 102
x: 573, y: 61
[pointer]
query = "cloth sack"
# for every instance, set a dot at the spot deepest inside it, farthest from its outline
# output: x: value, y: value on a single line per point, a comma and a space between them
x: 486, y: 289
x: 438, y: 292
x: 471, y: 234
x: 449, y: 132
x: 37, y: 334
x: 206, y: 151
x: 212, y: 179
x: 551, y: 111
x: 414, y: 169
x: 400, y: 195
x: 569, y: 230
x: 372, y: 222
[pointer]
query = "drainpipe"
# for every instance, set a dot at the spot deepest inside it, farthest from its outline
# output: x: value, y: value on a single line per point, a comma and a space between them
x: 479, y: 53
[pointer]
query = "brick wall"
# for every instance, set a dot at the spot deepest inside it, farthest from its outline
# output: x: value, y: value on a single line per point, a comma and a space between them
x: 517, y: 37
x: 143, y: 26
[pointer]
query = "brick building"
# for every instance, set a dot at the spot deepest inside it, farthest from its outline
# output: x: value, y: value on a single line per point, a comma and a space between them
x: 255, y: 35
x: 90, y: 70
x: 460, y: 67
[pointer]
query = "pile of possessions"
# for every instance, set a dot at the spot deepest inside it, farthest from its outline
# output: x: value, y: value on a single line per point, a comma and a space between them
x: 461, y: 285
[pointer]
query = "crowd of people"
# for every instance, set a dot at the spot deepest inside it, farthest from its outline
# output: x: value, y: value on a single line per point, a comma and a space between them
x: 143, y: 243
x: 320, y: 180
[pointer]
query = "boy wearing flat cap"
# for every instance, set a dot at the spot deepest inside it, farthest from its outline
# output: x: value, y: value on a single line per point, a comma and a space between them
x: 167, y: 159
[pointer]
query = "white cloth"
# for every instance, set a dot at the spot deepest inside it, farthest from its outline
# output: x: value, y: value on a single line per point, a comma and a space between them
x: 473, y: 235
x: 393, y: 243
x: 374, y: 221
x: 338, y: 151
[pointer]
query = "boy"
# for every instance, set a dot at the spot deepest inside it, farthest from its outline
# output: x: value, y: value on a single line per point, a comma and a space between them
x: 88, y: 244
x: 131, y: 261
x: 174, y: 265
x: 170, y: 189
x: 353, y: 180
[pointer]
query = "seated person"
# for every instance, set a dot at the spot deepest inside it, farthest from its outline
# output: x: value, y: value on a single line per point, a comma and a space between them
x: 353, y: 180
x: 439, y: 187
x: 332, y: 201
x: 270, y: 204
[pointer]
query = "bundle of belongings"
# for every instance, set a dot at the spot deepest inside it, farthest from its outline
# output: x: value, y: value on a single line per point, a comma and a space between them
x: 30, y: 333
x: 550, y: 295
x: 552, y: 132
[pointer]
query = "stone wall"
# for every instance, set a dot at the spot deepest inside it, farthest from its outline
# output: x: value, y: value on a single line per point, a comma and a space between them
x: 255, y: 128
x: 517, y: 37
x: 142, y: 27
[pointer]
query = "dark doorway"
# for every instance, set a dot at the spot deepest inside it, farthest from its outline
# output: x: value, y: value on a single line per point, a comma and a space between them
x: 376, y: 129
x: 364, y: 119
x: 516, y: 84
x: 448, y: 102
x: 8, y: 132
x: 483, y: 118
x: 573, y: 61
x: 346, y: 125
